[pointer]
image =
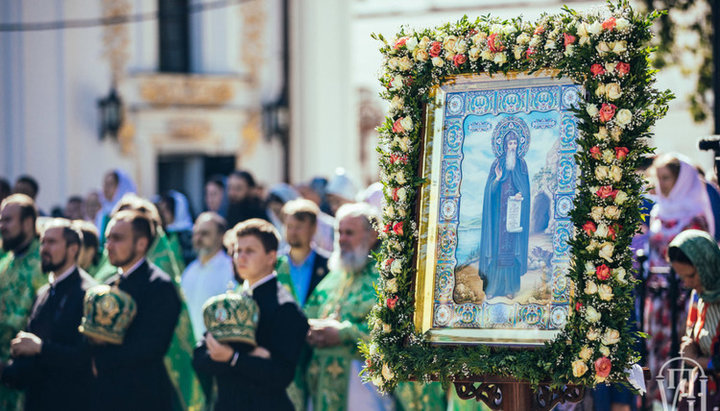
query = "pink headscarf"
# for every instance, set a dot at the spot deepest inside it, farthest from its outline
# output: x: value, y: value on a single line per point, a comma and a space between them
x: 687, y: 199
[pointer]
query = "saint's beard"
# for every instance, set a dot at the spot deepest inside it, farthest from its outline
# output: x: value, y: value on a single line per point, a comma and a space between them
x: 510, y: 160
x: 12, y: 243
x: 349, y: 261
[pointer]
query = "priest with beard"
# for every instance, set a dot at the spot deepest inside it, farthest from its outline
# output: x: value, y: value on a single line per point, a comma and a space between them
x: 505, y: 234
x: 20, y: 278
x: 49, y: 358
x: 337, y: 311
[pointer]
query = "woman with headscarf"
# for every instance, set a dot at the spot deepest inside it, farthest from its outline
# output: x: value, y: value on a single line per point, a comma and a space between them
x: 695, y: 257
x: 116, y: 184
x: 178, y: 223
x: 681, y: 203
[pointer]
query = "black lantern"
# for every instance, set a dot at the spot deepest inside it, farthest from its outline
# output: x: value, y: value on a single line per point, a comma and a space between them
x: 111, y: 114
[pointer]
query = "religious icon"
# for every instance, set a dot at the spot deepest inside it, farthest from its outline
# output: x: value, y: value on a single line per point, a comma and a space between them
x: 495, y: 220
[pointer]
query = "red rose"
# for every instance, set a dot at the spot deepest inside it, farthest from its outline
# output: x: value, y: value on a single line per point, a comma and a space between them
x: 391, y: 301
x: 387, y: 228
x: 606, y: 191
x: 569, y: 39
x: 401, y: 42
x: 609, y: 24
x: 459, y: 60
x: 597, y: 69
x: 602, y: 367
x: 602, y: 272
x: 621, y: 152
x: 398, y: 228
x: 435, y: 48
x: 539, y: 30
x: 389, y: 262
x: 397, y: 127
x: 494, y: 43
x: 589, y: 228
x: 612, y: 233
x: 368, y: 363
x: 595, y: 153
x: 395, y: 194
x: 622, y: 68
x: 529, y: 52
x: 578, y: 306
x: 607, y: 111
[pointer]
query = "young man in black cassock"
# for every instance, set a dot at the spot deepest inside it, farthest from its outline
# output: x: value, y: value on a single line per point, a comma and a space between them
x: 50, y: 363
x: 258, y: 379
x: 132, y: 375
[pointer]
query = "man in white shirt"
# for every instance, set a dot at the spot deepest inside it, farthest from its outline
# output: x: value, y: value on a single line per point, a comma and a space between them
x: 211, y: 273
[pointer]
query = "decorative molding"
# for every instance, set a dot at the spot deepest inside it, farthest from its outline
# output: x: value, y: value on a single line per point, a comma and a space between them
x: 116, y: 37
x: 253, y: 16
x: 251, y: 133
x: 489, y: 393
x: 188, y: 128
x: 181, y: 90
x: 516, y: 393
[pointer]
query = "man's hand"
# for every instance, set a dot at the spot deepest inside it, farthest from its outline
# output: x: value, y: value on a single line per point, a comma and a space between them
x: 518, y: 196
x: 260, y: 352
x: 218, y: 351
x: 324, y: 333
x: 25, y: 345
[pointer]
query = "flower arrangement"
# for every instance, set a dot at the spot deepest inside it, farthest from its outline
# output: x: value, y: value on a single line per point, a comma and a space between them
x: 605, y: 52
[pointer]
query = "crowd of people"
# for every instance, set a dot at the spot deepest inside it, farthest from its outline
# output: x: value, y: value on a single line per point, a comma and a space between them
x: 303, y: 254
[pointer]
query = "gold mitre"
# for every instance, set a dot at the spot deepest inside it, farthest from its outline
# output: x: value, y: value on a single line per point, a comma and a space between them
x: 107, y: 313
x: 231, y: 317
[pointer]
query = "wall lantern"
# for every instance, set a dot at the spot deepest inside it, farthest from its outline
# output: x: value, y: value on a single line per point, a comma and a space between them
x: 111, y: 114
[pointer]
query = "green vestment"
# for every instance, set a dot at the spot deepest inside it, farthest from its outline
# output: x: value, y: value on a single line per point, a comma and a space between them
x: 20, y: 279
x: 348, y: 298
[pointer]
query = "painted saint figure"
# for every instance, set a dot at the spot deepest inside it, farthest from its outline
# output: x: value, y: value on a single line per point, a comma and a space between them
x: 506, y: 219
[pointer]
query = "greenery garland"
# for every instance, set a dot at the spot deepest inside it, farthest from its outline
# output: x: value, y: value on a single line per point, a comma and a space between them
x: 605, y: 52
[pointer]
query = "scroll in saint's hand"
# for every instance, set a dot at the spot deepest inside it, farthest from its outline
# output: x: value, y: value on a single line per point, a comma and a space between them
x: 514, y: 211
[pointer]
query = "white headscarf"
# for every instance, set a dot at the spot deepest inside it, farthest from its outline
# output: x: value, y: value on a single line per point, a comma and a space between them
x: 183, y: 220
x: 687, y: 199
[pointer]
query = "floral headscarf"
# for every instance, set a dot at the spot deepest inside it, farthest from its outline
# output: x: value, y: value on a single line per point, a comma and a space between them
x: 704, y: 253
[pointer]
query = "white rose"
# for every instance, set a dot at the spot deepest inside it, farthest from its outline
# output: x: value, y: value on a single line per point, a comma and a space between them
x: 474, y: 54
x: 616, y: 133
x: 611, y: 337
x: 401, y: 212
x: 479, y: 38
x: 390, y: 211
x: 591, y: 288
x: 569, y: 50
x: 601, y: 173
x: 584, y: 40
x: 604, y: 351
x: 602, y: 230
x: 621, y: 197
x: 613, y: 91
x: 550, y: 45
x: 592, y: 315
x: 401, y: 193
x: 621, y: 24
x: 377, y: 381
x: 594, y: 245
x: 602, y: 134
x: 397, y: 103
x: 602, y: 48
x: 437, y: 62
x: 386, y: 328
x: 372, y: 350
x: 579, y: 368
x: 618, y: 46
x: 595, y: 28
x: 517, y: 52
x: 620, y: 275
x: 534, y: 41
x: 400, y: 177
x: 605, y: 292
x: 606, y: 251
x: 610, y: 67
x: 496, y: 28
x: 612, y: 212
x: 593, y: 334
x: 600, y: 90
x: 623, y: 117
x: 393, y: 63
x: 420, y: 54
x: 387, y: 372
x: 608, y: 156
x: 403, y: 143
x: 405, y: 64
x: 391, y: 285
x: 508, y: 29
x: 596, y: 213
x: 424, y: 42
x: 461, y: 46
x: 591, y: 109
x: 411, y: 43
x: 398, y: 82
x: 406, y: 123
x: 616, y: 173
x: 589, y: 268
x: 396, y: 266
x: 582, y: 30
x: 586, y: 353
x: 500, y: 58
x: 523, y: 38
